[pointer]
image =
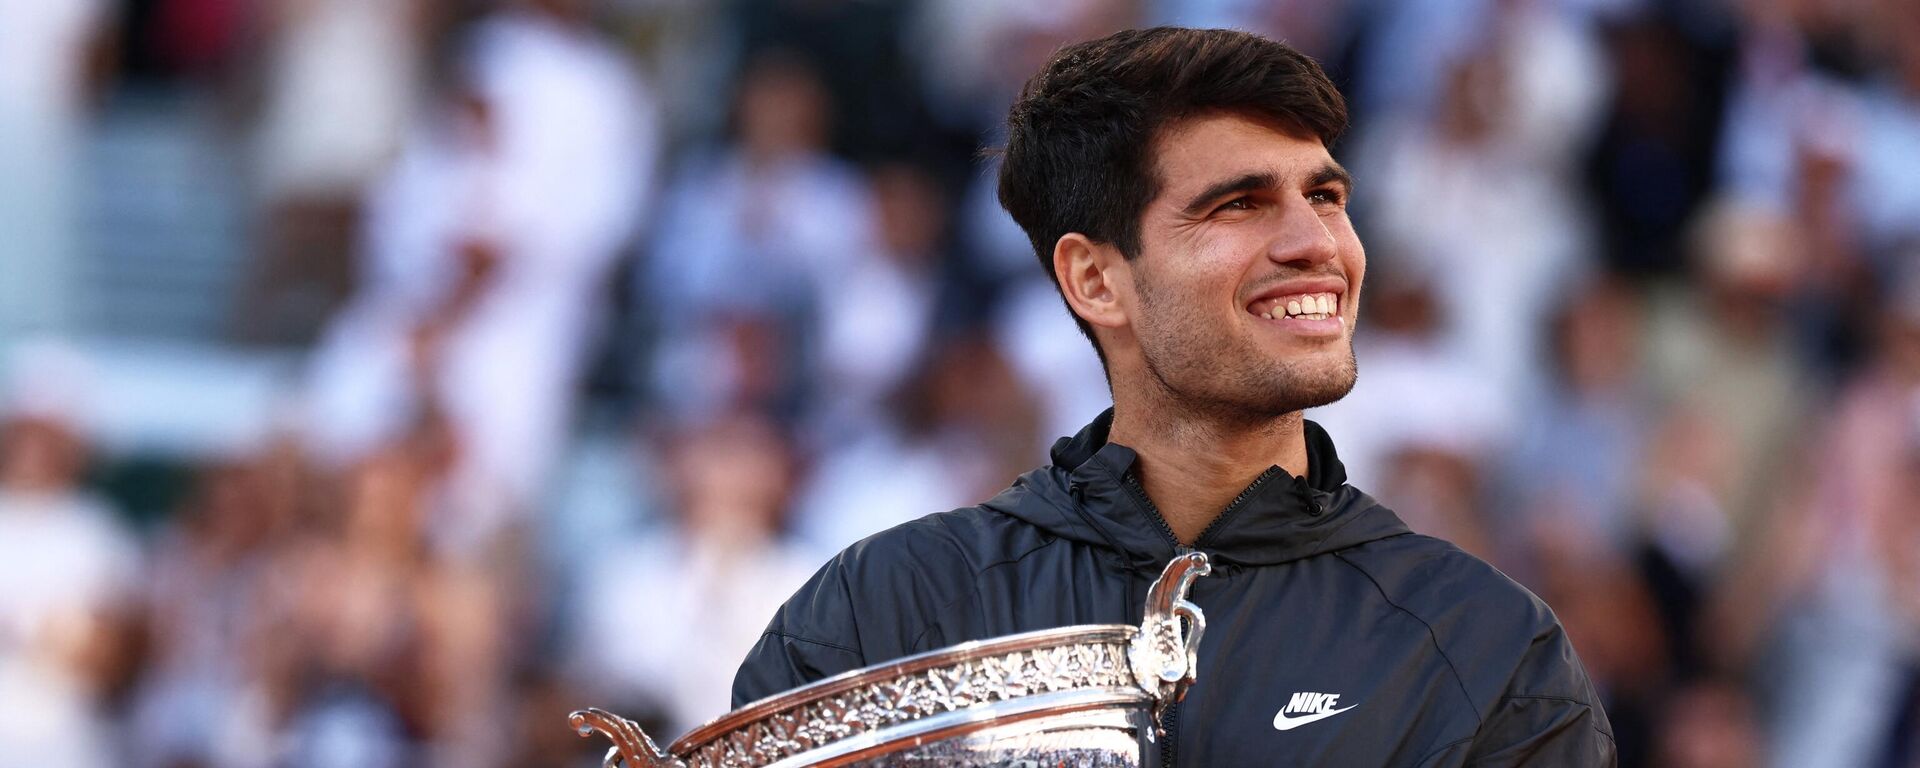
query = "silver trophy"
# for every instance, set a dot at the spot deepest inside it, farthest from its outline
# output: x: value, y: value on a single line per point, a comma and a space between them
x: 1088, y: 696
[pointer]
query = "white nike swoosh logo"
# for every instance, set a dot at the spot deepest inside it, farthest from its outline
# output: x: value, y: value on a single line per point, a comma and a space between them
x: 1284, y: 723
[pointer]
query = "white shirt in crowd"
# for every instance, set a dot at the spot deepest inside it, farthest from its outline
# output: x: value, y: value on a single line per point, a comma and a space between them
x: 557, y: 191
x: 65, y: 562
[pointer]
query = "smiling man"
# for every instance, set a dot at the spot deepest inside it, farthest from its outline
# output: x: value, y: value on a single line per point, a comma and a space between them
x: 1178, y: 187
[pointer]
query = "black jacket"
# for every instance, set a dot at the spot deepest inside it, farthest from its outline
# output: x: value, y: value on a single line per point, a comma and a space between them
x: 1316, y: 589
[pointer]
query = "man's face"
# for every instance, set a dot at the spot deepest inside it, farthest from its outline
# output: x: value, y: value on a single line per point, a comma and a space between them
x: 1248, y: 280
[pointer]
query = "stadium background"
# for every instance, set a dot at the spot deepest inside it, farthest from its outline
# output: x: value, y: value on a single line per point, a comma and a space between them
x: 385, y: 378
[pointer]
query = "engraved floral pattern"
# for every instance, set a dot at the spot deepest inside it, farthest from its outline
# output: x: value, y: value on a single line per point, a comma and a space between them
x: 977, y: 682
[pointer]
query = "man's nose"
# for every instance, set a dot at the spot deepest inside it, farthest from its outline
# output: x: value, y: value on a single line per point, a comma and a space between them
x: 1301, y: 237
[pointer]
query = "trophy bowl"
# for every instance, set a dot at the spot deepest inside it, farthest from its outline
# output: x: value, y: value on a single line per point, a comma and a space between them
x: 1087, y: 696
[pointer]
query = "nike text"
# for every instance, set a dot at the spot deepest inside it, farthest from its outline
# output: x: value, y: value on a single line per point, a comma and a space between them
x: 1306, y: 707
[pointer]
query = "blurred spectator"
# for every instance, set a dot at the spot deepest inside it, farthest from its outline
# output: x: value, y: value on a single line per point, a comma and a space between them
x: 335, y: 57
x: 1842, y: 569
x: 862, y: 358
x: 201, y: 701
x: 757, y: 232
x: 1724, y: 354
x: 1830, y: 104
x: 487, y: 252
x: 67, y: 574
x: 665, y: 617
x: 323, y: 59
x: 1440, y: 486
x: 958, y: 432
x: 346, y: 600
x: 1653, y: 163
x: 1477, y: 195
x: 1889, y: 201
x: 860, y: 57
x: 386, y: 650
x: 1576, y: 459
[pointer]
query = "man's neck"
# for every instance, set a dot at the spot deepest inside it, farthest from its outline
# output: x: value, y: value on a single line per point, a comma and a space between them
x: 1193, y: 467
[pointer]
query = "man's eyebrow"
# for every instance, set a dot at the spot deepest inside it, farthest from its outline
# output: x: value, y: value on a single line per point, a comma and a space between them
x: 1242, y: 183
x: 1330, y: 173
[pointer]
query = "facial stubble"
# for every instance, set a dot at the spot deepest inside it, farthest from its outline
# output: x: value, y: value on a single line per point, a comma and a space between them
x: 1222, y: 375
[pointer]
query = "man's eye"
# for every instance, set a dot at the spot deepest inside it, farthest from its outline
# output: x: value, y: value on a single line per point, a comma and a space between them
x: 1328, y: 196
x: 1237, y: 204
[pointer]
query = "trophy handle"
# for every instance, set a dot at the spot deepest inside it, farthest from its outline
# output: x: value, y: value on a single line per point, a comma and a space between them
x: 1164, y: 656
x: 630, y: 745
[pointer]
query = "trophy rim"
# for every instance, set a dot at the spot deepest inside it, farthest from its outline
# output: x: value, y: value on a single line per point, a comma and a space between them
x: 906, y: 665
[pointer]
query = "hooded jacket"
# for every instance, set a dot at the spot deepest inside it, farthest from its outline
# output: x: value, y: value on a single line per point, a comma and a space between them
x: 1335, y: 636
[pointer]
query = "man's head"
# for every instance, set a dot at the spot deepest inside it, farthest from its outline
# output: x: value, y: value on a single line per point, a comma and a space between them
x: 1176, y: 184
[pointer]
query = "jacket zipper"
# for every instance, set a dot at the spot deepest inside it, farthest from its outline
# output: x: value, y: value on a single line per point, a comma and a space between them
x: 1239, y: 502
x: 1140, y: 495
x: 1166, y: 742
x: 1171, y: 720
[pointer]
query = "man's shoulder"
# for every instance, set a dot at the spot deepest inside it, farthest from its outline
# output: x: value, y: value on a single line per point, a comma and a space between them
x: 956, y: 543
x: 1509, y: 652
x: 922, y: 564
x: 1428, y: 576
x: 939, y: 558
x: 1500, y: 638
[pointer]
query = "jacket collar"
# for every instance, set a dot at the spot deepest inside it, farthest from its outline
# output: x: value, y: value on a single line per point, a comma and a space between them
x: 1089, y: 494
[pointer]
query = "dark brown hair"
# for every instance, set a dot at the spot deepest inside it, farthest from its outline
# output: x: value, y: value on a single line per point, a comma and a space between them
x: 1080, y: 138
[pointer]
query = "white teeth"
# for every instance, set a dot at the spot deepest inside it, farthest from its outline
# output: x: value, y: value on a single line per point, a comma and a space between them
x: 1318, y: 306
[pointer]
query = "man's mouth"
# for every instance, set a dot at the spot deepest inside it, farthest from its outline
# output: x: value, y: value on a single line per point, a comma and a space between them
x: 1306, y: 306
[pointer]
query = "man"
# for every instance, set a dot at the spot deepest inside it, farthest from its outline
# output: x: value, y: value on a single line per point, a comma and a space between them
x: 1178, y: 186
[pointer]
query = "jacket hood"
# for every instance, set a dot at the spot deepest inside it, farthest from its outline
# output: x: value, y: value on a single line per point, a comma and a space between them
x: 1087, y: 495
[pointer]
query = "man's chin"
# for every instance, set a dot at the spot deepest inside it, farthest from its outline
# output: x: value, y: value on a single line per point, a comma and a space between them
x: 1315, y: 399
x: 1299, y: 388
x: 1268, y: 384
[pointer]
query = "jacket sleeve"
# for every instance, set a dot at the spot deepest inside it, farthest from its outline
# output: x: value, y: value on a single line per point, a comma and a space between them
x: 813, y: 636
x: 1549, y: 714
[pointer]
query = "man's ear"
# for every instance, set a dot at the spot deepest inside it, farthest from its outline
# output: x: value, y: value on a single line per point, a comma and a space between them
x: 1095, y: 278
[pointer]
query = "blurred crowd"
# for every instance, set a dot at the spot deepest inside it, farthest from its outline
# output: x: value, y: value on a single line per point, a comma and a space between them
x: 614, y: 319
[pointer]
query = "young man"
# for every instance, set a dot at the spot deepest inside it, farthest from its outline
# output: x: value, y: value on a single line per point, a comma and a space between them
x: 1177, y: 185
